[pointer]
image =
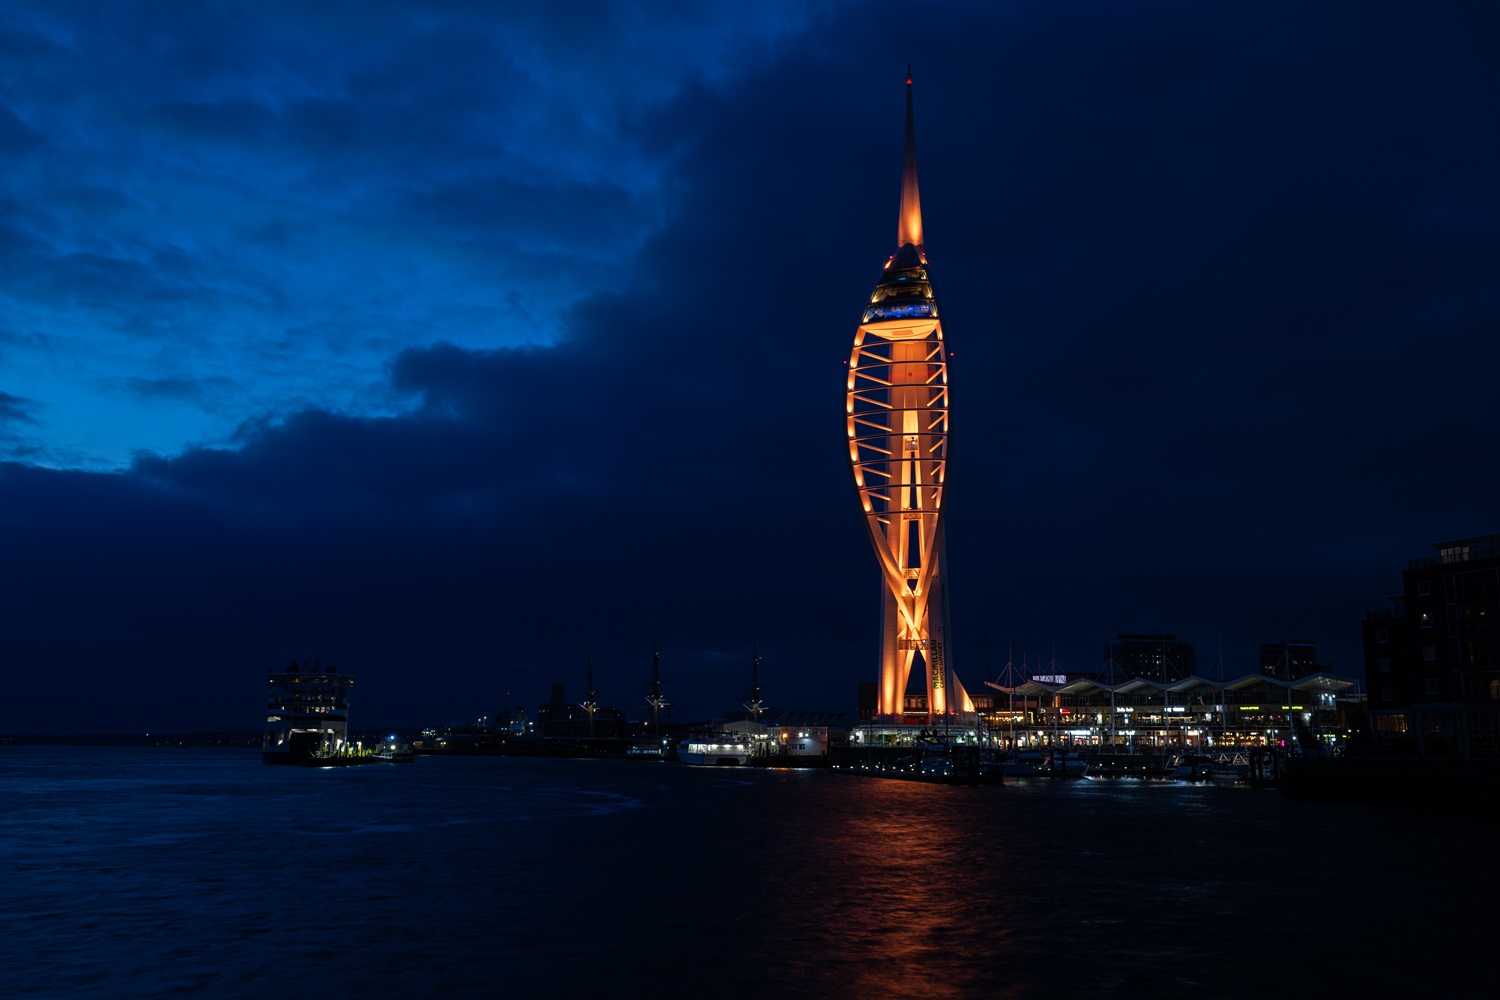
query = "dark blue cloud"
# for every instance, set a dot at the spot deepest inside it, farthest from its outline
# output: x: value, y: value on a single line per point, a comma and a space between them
x: 223, y: 178
x: 15, y: 409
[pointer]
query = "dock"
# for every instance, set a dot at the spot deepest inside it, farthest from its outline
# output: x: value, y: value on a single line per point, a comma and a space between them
x: 957, y: 765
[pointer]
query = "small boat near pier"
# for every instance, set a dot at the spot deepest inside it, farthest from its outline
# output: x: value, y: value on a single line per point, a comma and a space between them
x: 394, y: 751
x: 1209, y: 767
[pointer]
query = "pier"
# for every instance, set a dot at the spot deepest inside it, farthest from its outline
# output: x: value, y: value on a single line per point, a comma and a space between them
x: 954, y: 765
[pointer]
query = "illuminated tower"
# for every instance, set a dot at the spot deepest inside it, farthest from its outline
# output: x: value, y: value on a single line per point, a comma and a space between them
x: 897, y: 406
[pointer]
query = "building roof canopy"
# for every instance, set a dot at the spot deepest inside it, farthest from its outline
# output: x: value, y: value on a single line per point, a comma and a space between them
x: 1312, y: 682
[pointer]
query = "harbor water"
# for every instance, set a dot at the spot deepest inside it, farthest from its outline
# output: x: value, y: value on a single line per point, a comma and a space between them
x: 202, y: 872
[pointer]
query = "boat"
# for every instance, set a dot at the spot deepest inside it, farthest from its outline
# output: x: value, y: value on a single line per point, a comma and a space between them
x: 1022, y: 765
x: 729, y: 749
x: 1060, y: 764
x: 959, y: 764
x: 1208, y: 767
x: 393, y: 751
x: 936, y: 768
x: 307, y: 718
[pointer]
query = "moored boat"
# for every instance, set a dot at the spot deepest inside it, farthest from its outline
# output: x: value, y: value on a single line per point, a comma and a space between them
x: 1209, y: 767
x: 1022, y: 765
x: 959, y: 764
x: 1061, y: 764
x: 729, y: 749
x: 394, y: 751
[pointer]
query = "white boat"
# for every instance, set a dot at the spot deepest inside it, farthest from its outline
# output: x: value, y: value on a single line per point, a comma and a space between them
x: 714, y: 749
x: 936, y: 767
x: 1206, y: 767
x: 1022, y: 765
x: 1065, y: 765
x: 394, y: 751
x: 960, y: 765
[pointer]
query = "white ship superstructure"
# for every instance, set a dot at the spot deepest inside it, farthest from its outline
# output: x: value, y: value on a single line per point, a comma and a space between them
x: 307, y: 716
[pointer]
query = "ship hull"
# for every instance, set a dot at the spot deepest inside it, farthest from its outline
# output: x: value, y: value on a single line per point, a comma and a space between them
x: 308, y: 759
x: 714, y: 759
x: 714, y: 752
x: 307, y: 749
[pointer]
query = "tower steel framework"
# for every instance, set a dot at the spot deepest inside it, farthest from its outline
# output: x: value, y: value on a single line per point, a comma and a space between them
x: 897, y: 414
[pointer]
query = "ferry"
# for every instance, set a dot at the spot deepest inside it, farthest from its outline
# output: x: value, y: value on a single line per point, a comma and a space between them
x: 307, y: 718
x: 715, y: 748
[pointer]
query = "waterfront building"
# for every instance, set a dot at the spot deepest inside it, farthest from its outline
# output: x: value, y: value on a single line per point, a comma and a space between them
x: 1432, y: 659
x: 1308, y: 715
x: 1158, y: 656
x: 559, y: 717
x: 896, y: 406
x: 510, y: 721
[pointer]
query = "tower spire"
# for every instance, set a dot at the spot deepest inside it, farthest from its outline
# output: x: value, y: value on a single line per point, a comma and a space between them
x: 896, y: 413
x: 909, y: 226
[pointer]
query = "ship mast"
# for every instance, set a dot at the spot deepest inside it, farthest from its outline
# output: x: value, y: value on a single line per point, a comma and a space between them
x: 592, y: 705
x: 655, y: 700
x: 754, y: 706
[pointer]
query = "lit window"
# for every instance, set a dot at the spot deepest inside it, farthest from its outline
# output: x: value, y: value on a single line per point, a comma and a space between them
x: 1426, y: 620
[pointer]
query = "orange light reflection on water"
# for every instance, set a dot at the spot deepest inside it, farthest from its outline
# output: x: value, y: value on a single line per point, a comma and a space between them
x: 887, y: 888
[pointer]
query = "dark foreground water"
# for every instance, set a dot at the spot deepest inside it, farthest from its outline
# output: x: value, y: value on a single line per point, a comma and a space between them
x: 159, y: 872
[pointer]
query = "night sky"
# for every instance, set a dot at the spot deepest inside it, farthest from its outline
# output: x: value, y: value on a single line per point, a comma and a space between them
x: 454, y: 345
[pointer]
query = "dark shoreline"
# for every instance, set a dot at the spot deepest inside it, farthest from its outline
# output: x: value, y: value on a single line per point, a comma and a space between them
x: 228, y: 738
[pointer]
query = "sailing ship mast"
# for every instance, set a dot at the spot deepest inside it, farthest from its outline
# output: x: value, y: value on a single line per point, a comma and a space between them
x: 1009, y: 677
x: 654, y: 699
x: 592, y: 705
x: 1111, y: 678
x: 754, y: 706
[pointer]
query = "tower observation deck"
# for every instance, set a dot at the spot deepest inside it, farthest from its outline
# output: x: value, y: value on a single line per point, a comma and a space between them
x: 896, y: 405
